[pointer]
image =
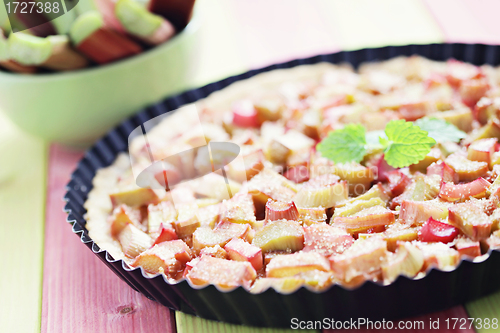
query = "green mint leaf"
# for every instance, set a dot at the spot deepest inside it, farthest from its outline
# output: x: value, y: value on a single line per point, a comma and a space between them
x: 344, y: 145
x: 407, y: 143
x: 440, y: 130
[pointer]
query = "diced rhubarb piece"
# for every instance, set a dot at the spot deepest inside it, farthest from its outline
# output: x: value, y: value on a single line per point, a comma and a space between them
x: 238, y: 209
x: 253, y: 163
x: 357, y: 206
x: 296, y: 141
x: 214, y: 251
x: 398, y: 182
x: 269, y: 107
x: 280, y: 235
x: 358, y: 177
x: 415, y: 110
x: 368, y: 218
x: 162, y: 213
x: 209, y: 215
x: 134, y: 241
x: 441, y: 169
x: 394, y: 235
x: 187, y: 221
x: 226, y: 274
x: 279, y: 210
x: 268, y: 256
x: 297, y: 174
x: 471, y: 220
x: 245, y: 114
x: 459, y: 72
x: 460, y: 192
x: 490, y: 130
x: 270, y: 184
x: 466, y: 169
x: 383, y: 169
x: 492, y: 242
x: 326, y: 240
x: 313, y: 215
x: 486, y: 108
x: 276, y: 151
x: 461, y: 118
x: 433, y: 156
x: 324, y: 191
x: 482, y: 150
x: 134, y: 197
x: 167, y: 233
x: 284, y: 285
x: 408, y: 260
x: 438, y: 255
x: 122, y: 216
x: 239, y: 250
x: 168, y: 176
x: 471, y: 91
x: 362, y: 258
x: 467, y: 247
x: 190, y: 265
x: 436, y: 231
x: 292, y: 264
x: 417, y: 212
x: 377, y: 191
x: 221, y: 235
x: 169, y: 258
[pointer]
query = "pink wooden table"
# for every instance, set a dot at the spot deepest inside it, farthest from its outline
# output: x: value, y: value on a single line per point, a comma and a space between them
x: 79, y: 294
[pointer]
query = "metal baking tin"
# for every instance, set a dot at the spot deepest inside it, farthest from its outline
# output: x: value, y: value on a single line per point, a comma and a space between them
x: 404, y: 297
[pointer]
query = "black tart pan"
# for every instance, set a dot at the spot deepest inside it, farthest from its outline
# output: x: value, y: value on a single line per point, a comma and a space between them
x: 405, y: 297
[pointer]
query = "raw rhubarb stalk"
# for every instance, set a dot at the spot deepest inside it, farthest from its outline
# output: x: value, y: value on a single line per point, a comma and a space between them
x: 9, y: 64
x: 408, y: 260
x: 278, y: 210
x: 53, y: 52
x: 38, y: 24
x: 139, y: 22
x: 445, y: 173
x: 98, y: 42
x: 176, y: 11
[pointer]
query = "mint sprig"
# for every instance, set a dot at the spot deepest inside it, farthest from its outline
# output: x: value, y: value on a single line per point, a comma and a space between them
x: 344, y: 145
x: 403, y: 143
x: 440, y: 130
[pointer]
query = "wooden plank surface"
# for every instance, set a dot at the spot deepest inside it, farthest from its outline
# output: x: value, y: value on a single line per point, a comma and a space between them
x: 80, y: 294
x: 22, y: 192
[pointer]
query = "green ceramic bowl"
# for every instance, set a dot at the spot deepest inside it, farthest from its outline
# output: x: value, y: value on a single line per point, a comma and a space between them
x: 75, y: 108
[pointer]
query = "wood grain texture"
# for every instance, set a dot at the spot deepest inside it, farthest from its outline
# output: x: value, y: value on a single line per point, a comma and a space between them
x: 22, y: 199
x: 485, y: 308
x: 80, y: 294
x: 421, y: 324
x: 191, y: 324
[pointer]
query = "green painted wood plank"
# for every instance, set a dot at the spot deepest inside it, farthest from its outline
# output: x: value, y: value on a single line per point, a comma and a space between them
x: 22, y: 199
x: 367, y: 23
x: 485, y: 308
x: 191, y: 324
